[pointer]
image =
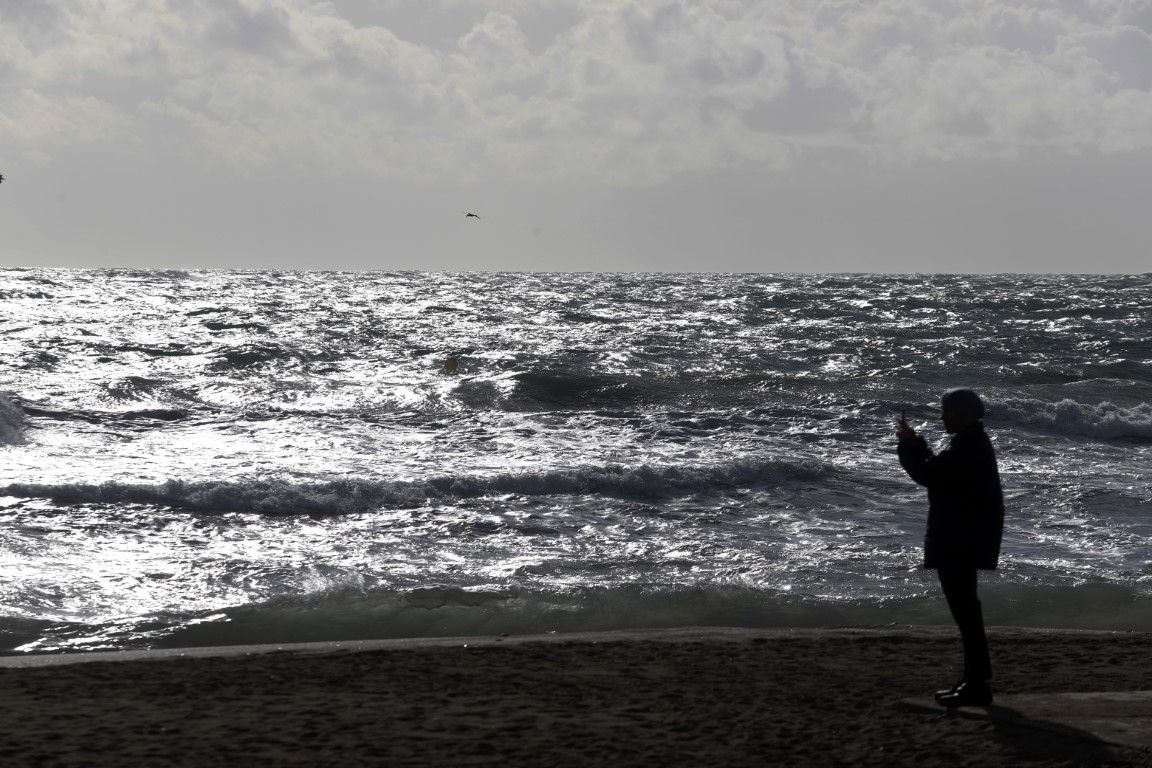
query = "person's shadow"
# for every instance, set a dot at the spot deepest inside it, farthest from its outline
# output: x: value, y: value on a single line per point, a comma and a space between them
x: 1036, y: 738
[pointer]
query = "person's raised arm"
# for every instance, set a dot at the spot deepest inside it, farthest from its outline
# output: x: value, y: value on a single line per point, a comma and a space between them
x: 923, y: 466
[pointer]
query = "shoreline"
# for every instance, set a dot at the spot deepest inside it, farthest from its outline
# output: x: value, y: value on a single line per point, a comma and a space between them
x: 12, y: 660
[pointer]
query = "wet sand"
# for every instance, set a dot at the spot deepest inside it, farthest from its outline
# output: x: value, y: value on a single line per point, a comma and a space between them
x: 691, y: 697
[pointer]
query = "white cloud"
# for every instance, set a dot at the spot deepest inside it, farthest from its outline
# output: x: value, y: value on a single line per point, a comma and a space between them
x: 618, y: 91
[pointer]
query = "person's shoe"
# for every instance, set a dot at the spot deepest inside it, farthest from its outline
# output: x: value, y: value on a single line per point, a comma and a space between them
x: 967, y: 695
x: 949, y: 691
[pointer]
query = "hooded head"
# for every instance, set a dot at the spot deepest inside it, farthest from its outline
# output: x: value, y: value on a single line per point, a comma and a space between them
x: 962, y: 409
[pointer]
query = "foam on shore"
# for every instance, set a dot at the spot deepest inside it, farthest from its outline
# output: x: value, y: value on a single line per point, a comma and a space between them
x: 661, y: 635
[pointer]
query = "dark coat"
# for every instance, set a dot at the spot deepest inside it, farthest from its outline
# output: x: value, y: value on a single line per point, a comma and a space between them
x: 965, y: 503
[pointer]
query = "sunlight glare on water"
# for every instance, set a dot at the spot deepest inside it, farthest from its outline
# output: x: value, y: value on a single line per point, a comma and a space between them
x: 199, y: 457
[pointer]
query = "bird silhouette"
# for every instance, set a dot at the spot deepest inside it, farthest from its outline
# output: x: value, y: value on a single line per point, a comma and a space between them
x: 1, y: 178
x: 471, y: 214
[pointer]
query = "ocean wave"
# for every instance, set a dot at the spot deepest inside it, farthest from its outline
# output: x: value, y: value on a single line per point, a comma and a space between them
x: 173, y: 349
x: 224, y: 325
x: 257, y: 354
x: 567, y: 389
x: 12, y: 421
x: 457, y: 611
x: 345, y: 496
x: 1121, y: 392
x: 133, y: 388
x: 102, y: 417
x: 8, y: 295
x: 1069, y: 417
x: 454, y: 611
x: 249, y: 355
x: 558, y: 389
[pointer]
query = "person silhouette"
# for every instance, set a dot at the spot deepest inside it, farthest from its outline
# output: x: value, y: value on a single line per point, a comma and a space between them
x: 965, y: 527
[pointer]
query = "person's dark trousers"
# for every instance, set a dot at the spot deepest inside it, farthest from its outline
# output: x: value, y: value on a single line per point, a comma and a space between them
x: 960, y: 590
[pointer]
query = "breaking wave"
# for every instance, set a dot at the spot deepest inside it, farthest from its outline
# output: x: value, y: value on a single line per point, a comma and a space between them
x: 350, y: 496
x: 1067, y: 417
x: 454, y: 611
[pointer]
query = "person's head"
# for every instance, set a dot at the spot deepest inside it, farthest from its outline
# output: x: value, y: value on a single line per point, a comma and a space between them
x: 961, y: 409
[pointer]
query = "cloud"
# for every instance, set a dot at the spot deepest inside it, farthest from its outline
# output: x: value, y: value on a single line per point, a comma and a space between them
x: 626, y: 92
x: 249, y: 28
x: 1124, y: 52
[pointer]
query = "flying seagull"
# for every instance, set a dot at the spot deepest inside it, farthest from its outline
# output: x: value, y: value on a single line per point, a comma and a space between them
x: 2, y: 181
x: 471, y: 214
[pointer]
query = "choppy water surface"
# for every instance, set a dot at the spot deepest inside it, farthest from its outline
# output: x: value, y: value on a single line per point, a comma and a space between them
x: 214, y: 457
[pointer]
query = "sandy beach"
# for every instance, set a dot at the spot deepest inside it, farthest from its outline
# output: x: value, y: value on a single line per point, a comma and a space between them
x: 681, y: 697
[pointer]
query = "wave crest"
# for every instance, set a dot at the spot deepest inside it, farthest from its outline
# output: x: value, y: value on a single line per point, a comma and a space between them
x: 1068, y: 417
x: 281, y: 497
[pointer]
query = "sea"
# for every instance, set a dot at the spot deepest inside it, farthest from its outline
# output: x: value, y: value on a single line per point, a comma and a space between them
x: 192, y: 458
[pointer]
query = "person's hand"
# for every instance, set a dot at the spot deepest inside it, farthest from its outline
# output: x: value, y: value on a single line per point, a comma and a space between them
x: 903, y: 431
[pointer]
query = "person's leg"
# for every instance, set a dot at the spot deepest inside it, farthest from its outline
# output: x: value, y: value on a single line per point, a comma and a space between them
x: 959, y: 586
x: 951, y: 581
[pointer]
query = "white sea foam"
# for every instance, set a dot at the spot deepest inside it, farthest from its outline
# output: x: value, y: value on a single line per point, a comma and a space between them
x: 1068, y: 417
x: 12, y: 421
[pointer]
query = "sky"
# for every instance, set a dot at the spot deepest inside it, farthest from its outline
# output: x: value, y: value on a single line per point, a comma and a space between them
x: 647, y: 135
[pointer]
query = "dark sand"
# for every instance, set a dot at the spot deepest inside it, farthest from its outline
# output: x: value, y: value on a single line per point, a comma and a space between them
x: 703, y: 698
